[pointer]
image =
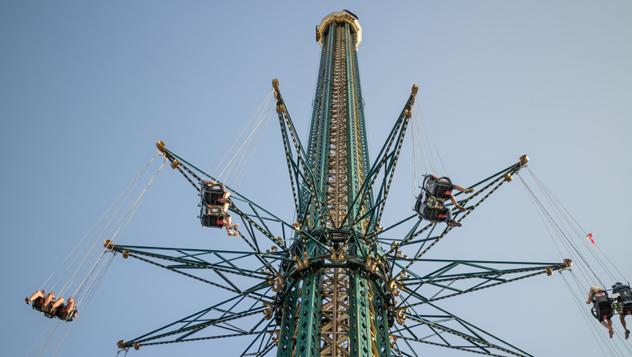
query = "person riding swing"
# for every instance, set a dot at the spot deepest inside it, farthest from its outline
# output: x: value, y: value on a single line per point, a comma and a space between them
x: 602, y: 307
x: 441, y: 188
x: 623, y: 303
x: 67, y: 312
x: 214, y: 207
x: 433, y: 210
x: 430, y: 204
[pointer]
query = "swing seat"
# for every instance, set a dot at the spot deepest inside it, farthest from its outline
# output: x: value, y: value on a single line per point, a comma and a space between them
x: 214, y: 221
x: 602, y: 306
x: 211, y: 193
x: 430, y: 210
x: 625, y: 297
x: 213, y: 216
x: 438, y: 187
x: 63, y: 314
x: 37, y: 304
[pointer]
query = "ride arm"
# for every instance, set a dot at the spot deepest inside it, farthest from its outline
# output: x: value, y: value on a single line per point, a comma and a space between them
x: 254, y: 216
x: 448, y: 278
x: 434, y: 326
x: 384, y: 167
x: 302, y: 179
x: 213, y: 267
x: 233, y: 317
x: 422, y: 238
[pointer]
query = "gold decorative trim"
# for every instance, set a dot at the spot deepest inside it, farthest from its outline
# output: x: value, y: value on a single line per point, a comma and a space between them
x: 339, y: 17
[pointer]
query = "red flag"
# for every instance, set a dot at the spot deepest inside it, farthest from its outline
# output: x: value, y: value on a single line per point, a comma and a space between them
x: 589, y: 236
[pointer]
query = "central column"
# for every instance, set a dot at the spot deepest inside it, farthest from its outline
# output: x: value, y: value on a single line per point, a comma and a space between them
x: 329, y: 306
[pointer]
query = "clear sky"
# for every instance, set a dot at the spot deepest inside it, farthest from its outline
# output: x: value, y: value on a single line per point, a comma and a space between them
x: 87, y: 87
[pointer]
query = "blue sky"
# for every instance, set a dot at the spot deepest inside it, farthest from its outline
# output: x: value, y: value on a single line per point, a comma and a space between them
x: 86, y: 88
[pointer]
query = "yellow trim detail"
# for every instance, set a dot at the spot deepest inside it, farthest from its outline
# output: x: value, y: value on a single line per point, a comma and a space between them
x: 339, y: 17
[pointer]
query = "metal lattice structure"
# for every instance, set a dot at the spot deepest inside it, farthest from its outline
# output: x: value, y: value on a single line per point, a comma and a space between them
x: 331, y: 283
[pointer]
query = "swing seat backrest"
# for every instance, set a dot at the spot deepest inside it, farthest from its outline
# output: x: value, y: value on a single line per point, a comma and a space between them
x: 439, y: 187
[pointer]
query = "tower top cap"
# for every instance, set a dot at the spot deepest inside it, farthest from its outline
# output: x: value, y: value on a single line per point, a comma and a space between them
x: 340, y: 17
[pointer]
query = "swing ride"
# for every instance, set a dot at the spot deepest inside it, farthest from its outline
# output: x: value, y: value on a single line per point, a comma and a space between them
x: 338, y: 280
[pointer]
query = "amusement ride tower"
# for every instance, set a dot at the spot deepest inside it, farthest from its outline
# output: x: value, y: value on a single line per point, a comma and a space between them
x: 338, y: 309
x: 334, y: 283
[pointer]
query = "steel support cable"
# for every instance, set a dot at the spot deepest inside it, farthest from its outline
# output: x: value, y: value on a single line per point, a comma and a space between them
x: 124, y: 223
x: 252, y: 120
x: 259, y: 116
x: 430, y: 148
x: 37, y: 345
x: 556, y: 226
x: 65, y: 332
x: 92, y: 288
x: 101, y: 225
x: 573, y: 222
x: 553, y: 233
x: 559, y: 229
x: 109, y: 225
x: 47, y: 342
x: 564, y: 215
x: 237, y: 167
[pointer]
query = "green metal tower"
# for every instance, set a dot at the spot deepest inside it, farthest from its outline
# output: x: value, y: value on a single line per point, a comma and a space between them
x: 334, y: 309
x: 336, y: 282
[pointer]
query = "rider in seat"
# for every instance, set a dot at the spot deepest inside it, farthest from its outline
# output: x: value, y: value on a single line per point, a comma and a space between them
x: 215, y: 204
x: 51, y: 309
x: 36, y: 298
x: 441, y: 188
x: 67, y: 312
x: 42, y: 304
x: 433, y: 210
x: 215, y: 194
x: 624, y: 305
x: 214, y: 216
x: 602, y: 307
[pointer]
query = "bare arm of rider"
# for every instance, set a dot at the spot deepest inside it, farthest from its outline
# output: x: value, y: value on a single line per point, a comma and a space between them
x: 456, y: 203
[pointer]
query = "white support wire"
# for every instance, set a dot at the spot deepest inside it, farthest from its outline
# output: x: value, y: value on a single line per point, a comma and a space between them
x: 234, y: 158
x: 564, y: 229
x: 122, y: 225
x: 97, y: 229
